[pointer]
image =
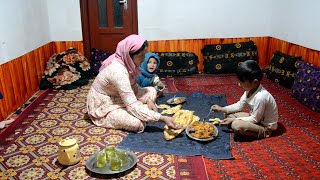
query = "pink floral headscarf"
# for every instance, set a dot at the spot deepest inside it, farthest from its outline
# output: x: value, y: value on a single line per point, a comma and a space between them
x: 128, y: 45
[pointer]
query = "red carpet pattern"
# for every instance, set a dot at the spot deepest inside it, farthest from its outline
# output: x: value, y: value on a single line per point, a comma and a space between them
x: 31, y: 152
x: 292, y: 152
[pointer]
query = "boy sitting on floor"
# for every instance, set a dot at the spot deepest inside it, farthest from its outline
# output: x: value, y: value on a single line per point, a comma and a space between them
x: 263, y: 116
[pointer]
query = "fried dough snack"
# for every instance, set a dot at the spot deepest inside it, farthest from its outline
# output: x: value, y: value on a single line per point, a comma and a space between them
x: 195, y: 118
x: 164, y: 106
x: 172, y: 110
x: 181, y: 117
x: 215, y: 121
x: 202, y: 130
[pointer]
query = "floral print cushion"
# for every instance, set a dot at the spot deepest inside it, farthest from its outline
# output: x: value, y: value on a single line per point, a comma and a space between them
x: 306, y: 86
x: 66, y: 70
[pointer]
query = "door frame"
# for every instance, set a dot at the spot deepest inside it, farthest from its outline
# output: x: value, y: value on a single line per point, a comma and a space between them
x: 86, y: 26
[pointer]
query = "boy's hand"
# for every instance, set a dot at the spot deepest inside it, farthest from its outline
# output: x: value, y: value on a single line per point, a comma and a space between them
x: 216, y: 108
x: 227, y: 121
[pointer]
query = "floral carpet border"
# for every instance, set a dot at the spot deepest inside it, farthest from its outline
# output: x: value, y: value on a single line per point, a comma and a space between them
x: 25, y: 115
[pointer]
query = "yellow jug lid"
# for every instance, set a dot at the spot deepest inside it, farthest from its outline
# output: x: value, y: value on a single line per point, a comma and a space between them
x: 67, y: 142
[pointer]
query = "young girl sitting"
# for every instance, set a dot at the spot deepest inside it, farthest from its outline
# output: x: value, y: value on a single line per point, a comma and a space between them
x: 148, y: 75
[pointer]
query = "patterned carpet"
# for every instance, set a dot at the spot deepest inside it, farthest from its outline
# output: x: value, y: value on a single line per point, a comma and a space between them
x: 292, y: 152
x: 20, y: 114
x: 31, y: 152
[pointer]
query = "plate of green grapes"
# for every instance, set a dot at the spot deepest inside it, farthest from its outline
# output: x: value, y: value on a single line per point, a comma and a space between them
x: 111, y: 160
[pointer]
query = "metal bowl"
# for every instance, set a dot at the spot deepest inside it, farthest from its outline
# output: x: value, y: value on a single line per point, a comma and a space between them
x: 198, y: 139
x: 176, y: 100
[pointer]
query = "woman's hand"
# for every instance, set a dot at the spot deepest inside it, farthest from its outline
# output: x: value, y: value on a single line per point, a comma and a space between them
x: 161, y: 86
x: 170, y: 122
x: 216, y: 108
x: 227, y: 121
x: 152, y: 105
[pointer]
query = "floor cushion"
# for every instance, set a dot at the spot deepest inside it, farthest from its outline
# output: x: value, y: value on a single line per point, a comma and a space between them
x: 96, y: 58
x: 177, y: 64
x: 225, y: 58
x: 282, y: 68
x: 66, y: 70
x: 306, y: 85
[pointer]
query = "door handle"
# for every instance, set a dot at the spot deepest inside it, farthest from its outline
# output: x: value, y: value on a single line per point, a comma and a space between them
x: 125, y: 4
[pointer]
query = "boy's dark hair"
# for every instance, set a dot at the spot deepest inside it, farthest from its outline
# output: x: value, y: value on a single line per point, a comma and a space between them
x: 144, y: 45
x: 249, y: 70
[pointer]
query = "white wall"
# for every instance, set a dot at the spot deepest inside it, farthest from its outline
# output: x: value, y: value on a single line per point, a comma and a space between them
x: 29, y: 24
x: 24, y: 27
x: 194, y: 19
x: 64, y: 20
x: 296, y: 21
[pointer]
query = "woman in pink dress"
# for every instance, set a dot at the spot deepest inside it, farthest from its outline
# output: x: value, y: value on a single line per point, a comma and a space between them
x: 115, y: 100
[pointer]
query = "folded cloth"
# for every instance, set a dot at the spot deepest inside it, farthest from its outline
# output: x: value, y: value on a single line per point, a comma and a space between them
x: 152, y: 140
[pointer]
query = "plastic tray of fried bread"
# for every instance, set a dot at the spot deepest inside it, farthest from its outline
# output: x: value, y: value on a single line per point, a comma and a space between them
x: 183, y: 118
x: 202, y: 131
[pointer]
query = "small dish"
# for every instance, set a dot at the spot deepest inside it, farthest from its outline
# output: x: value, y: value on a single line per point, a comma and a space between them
x: 176, y: 100
x: 188, y: 129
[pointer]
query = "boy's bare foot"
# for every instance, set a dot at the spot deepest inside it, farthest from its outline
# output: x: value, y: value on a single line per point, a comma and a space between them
x: 4, y: 123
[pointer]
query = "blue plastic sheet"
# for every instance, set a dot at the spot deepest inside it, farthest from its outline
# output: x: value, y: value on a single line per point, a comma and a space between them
x: 152, y: 139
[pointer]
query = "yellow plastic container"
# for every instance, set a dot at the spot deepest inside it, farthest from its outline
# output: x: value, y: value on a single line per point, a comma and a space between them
x: 68, y: 153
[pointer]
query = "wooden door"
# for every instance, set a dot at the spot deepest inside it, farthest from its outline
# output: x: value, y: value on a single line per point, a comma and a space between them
x: 106, y: 22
